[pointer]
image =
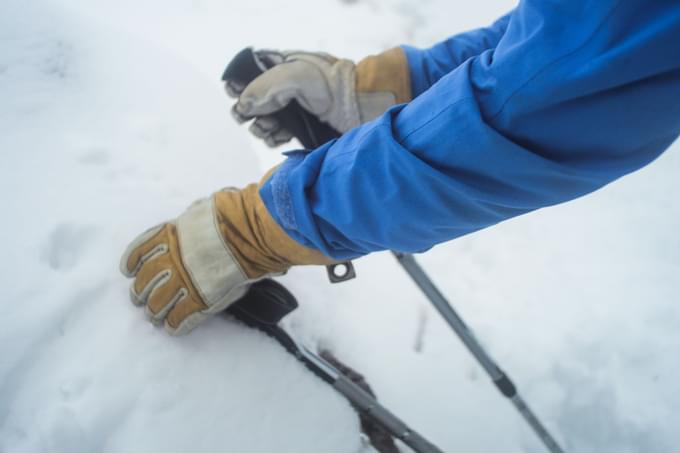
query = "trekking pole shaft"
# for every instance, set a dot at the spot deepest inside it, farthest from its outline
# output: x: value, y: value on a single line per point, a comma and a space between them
x: 390, y: 422
x: 536, y: 424
x: 449, y: 314
x: 499, y: 378
x: 363, y: 402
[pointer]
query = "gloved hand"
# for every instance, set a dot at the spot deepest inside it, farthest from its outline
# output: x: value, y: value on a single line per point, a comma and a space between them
x: 198, y: 264
x: 337, y: 91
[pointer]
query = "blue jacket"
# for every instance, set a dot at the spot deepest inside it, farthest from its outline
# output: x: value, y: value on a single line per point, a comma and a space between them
x: 553, y: 101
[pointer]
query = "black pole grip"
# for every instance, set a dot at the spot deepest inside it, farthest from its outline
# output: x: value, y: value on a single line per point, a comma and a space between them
x: 306, y: 127
x: 264, y: 305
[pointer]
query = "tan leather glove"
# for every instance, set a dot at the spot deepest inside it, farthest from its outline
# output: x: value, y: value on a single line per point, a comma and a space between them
x: 337, y: 91
x: 198, y: 264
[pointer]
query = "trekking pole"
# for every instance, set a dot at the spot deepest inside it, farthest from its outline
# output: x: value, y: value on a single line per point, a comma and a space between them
x: 263, y: 306
x: 502, y: 381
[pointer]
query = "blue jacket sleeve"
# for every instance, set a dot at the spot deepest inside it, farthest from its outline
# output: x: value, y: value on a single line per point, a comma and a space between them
x: 575, y: 95
x: 429, y: 65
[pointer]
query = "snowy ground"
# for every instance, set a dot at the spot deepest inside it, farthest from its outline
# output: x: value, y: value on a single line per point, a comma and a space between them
x: 112, y: 118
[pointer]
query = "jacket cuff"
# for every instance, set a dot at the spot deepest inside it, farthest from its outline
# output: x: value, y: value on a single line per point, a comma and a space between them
x: 416, y: 64
x: 285, y: 195
x: 276, y: 197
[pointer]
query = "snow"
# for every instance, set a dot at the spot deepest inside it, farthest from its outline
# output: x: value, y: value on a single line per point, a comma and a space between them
x: 113, y: 119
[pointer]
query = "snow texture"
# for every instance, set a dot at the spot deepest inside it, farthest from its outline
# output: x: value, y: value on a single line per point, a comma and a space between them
x: 112, y: 118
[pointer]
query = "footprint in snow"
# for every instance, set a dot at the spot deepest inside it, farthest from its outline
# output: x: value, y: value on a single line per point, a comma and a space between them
x: 65, y: 246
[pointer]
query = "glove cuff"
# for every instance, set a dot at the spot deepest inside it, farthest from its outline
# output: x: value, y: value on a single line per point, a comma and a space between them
x: 259, y: 244
x: 382, y: 80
